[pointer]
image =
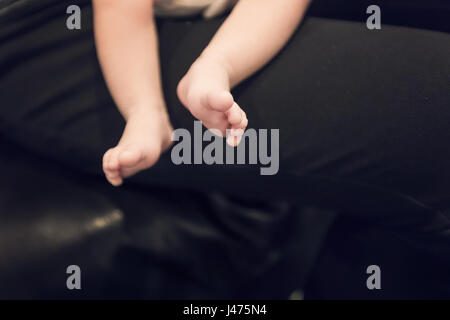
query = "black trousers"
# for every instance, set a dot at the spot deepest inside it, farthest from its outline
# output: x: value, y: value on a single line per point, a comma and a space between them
x: 363, y: 115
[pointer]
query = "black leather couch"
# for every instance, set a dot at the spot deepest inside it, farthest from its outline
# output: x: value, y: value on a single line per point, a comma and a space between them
x: 138, y: 243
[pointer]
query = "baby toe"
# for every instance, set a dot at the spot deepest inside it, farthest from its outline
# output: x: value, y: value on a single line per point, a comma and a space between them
x: 114, y: 164
x: 106, y: 160
x: 235, y: 115
x: 244, y: 123
x: 114, y: 180
x: 234, y: 141
x: 217, y: 123
x: 110, y: 162
x: 129, y: 157
x: 220, y: 100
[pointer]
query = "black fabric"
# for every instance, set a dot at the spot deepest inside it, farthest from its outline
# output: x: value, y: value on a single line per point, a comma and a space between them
x: 363, y: 115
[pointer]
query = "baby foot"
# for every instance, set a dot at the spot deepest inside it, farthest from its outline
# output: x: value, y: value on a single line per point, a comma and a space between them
x: 205, y: 92
x: 147, y: 134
